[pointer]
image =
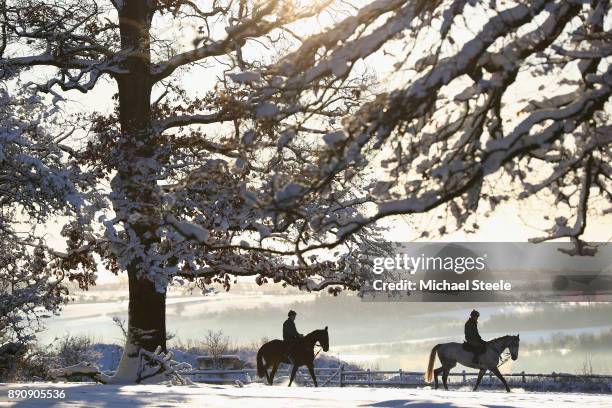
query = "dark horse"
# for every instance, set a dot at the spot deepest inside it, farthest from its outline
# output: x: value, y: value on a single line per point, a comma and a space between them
x: 274, y: 352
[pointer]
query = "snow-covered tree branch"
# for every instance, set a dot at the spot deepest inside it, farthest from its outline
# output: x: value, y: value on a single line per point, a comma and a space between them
x: 444, y: 138
x: 36, y: 183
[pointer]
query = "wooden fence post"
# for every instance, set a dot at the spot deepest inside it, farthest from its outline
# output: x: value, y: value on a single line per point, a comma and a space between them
x: 342, y: 375
x: 400, y: 376
x: 523, y: 379
x: 369, y: 378
x: 464, y: 379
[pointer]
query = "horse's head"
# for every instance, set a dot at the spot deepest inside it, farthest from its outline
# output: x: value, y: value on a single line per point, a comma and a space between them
x: 323, y: 338
x: 514, y: 347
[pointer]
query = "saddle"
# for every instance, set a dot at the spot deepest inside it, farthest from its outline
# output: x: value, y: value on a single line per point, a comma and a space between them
x: 472, y: 348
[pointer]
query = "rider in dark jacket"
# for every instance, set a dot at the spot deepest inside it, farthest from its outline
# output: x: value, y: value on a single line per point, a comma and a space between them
x: 472, y: 336
x: 289, y: 330
x: 290, y: 334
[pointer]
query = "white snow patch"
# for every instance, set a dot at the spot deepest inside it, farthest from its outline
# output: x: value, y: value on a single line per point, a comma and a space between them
x: 188, y: 229
x: 257, y: 395
x: 246, y: 77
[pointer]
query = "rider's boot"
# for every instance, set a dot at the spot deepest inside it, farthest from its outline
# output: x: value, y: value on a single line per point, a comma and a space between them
x: 290, y: 357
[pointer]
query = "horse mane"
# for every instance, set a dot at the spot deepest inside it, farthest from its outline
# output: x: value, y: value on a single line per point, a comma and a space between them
x: 500, y: 338
x: 314, y: 332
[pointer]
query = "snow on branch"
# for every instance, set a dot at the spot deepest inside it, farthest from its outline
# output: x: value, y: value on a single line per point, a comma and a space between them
x: 186, y: 120
x: 82, y: 369
x: 154, y: 367
x: 159, y: 364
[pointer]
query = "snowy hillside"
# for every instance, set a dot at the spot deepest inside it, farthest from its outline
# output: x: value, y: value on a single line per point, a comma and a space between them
x: 253, y: 396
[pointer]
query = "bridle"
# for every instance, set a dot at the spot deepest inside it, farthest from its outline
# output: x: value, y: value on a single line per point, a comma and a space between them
x: 317, y: 343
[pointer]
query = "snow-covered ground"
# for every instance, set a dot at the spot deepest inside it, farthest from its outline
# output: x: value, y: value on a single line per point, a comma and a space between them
x: 255, y: 395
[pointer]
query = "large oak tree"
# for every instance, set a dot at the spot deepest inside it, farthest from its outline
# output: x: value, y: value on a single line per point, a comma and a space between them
x: 182, y: 203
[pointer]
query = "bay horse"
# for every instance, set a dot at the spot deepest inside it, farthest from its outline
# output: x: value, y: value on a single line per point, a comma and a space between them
x: 452, y: 353
x: 274, y: 352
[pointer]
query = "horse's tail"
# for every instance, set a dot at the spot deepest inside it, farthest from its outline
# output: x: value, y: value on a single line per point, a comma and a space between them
x: 261, y: 370
x: 432, y: 358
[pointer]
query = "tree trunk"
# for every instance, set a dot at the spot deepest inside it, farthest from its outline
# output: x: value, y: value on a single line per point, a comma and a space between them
x: 135, y: 198
x: 146, y: 327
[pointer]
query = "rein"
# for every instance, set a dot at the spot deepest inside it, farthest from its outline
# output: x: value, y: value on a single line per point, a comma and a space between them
x: 315, y: 344
x: 503, y: 357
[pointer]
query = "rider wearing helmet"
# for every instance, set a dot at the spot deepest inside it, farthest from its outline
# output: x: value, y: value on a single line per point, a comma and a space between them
x: 472, y: 337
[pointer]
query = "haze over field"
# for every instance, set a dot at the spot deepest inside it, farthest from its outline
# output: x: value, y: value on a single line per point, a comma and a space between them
x: 558, y: 337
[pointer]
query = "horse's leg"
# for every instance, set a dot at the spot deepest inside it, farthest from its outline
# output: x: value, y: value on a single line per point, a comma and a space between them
x: 480, y: 374
x: 267, y: 375
x: 436, y: 373
x: 293, y: 372
x: 445, y: 376
x: 312, y: 374
x: 501, y: 377
x: 265, y: 367
x: 447, y: 365
x: 273, y: 373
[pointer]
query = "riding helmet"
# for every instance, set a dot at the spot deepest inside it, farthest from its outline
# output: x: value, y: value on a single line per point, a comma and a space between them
x: 291, y: 313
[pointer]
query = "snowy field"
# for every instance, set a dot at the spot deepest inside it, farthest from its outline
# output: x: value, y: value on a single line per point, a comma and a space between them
x: 255, y: 395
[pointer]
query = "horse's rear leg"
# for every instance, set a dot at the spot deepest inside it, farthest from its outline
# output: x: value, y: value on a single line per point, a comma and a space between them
x: 445, y: 377
x: 293, y: 372
x: 480, y: 374
x: 446, y: 367
x: 273, y: 373
x: 268, y: 376
x: 437, y: 372
x: 265, y: 370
